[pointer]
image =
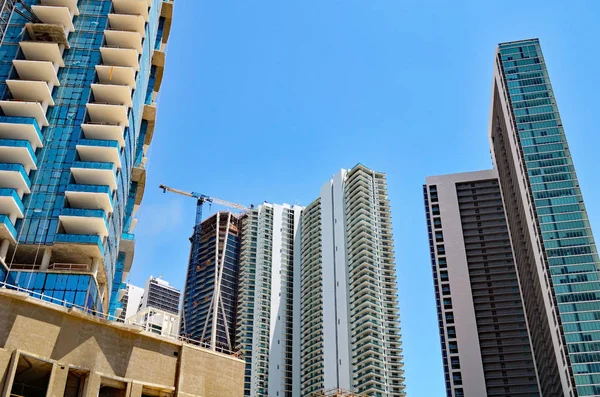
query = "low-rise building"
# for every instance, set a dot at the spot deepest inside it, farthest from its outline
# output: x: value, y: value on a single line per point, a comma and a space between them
x: 51, y: 350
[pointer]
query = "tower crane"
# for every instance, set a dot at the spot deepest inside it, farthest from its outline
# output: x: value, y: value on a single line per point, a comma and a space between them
x: 202, y: 198
x: 195, y: 258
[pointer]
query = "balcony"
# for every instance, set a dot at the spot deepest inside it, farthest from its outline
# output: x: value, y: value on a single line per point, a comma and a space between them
x: 104, y: 132
x: 112, y: 94
x: 124, y: 39
x: 101, y: 151
x: 120, y: 57
x: 92, y: 173
x: 55, y: 15
x: 7, y: 229
x: 15, y: 177
x: 36, y: 71
x: 25, y: 109
x: 132, y: 7
x: 21, y: 128
x: 70, y: 4
x: 108, y: 114
x: 56, y: 24
x: 30, y: 91
x: 42, y: 51
x: 129, y: 23
x: 90, y: 197
x: 10, y: 203
x: 18, y: 152
x: 84, y: 221
x: 118, y: 75
x: 86, y: 245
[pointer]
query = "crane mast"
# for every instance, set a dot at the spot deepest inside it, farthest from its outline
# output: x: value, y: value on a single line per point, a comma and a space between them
x: 194, y: 260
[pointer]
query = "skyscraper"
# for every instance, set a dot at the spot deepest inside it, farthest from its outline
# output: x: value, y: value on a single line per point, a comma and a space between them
x: 483, y: 330
x: 161, y: 295
x: 209, y: 303
x: 77, y: 90
x: 555, y: 252
x: 268, y: 328
x: 349, y: 324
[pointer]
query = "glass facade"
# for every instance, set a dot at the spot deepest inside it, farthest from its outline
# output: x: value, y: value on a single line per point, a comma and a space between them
x: 85, y: 171
x: 568, y: 243
x: 208, y: 260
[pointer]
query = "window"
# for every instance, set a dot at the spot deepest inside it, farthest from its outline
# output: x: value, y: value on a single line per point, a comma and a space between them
x: 435, y: 209
x: 455, y: 362
x: 451, y: 332
x: 441, y: 250
x: 439, y: 236
x: 444, y: 275
x: 453, y: 346
x: 437, y: 223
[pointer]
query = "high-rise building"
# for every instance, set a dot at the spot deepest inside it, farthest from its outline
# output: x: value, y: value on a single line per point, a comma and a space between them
x: 159, y: 294
x: 268, y: 328
x: 78, y: 82
x: 555, y: 252
x: 349, y: 318
x: 131, y: 301
x: 483, y: 330
x: 209, y: 303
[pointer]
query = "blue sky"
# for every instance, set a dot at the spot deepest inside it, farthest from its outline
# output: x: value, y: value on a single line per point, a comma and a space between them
x: 265, y: 100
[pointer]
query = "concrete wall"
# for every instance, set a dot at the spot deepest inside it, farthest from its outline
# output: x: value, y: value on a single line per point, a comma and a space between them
x: 73, y: 339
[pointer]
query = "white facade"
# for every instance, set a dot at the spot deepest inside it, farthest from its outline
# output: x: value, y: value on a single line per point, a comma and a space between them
x: 350, y: 323
x: 134, y: 299
x: 266, y: 321
x: 156, y: 321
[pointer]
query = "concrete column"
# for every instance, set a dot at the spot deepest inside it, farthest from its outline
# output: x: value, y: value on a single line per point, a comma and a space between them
x: 46, y: 258
x: 4, y: 249
x: 92, y: 385
x: 95, y: 266
x: 58, y: 381
x: 10, y: 372
x: 135, y: 390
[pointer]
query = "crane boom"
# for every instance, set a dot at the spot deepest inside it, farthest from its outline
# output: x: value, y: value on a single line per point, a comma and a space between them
x: 204, y: 198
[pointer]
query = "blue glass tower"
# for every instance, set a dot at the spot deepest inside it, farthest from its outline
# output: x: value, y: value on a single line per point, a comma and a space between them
x: 78, y: 80
x: 555, y: 252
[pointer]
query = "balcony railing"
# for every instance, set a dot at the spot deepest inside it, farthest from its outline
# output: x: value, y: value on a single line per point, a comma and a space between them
x: 90, y: 197
x: 11, y: 203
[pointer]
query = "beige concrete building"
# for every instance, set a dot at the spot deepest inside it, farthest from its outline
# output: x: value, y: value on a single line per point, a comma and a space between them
x: 51, y: 351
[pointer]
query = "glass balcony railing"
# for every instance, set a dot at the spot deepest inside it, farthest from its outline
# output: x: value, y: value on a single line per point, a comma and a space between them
x: 83, y: 212
x: 26, y: 127
x: 19, y: 169
x: 99, y: 142
x: 81, y: 239
x: 94, y: 165
x: 7, y: 229
x: 128, y: 236
x: 12, y: 194
x: 18, y: 151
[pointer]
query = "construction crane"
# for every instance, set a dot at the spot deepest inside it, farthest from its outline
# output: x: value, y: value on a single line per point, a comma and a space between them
x: 216, y: 301
x: 202, y: 198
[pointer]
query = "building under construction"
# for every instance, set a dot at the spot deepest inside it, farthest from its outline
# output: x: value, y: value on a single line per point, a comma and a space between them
x: 209, y: 302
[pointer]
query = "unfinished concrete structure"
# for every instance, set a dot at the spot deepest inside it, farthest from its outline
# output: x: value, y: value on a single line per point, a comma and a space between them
x: 50, y: 350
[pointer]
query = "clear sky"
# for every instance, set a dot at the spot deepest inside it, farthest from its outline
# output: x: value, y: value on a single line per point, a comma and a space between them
x: 265, y: 100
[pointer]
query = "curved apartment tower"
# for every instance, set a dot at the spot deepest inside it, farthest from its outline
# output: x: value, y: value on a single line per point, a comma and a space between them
x: 350, y: 328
